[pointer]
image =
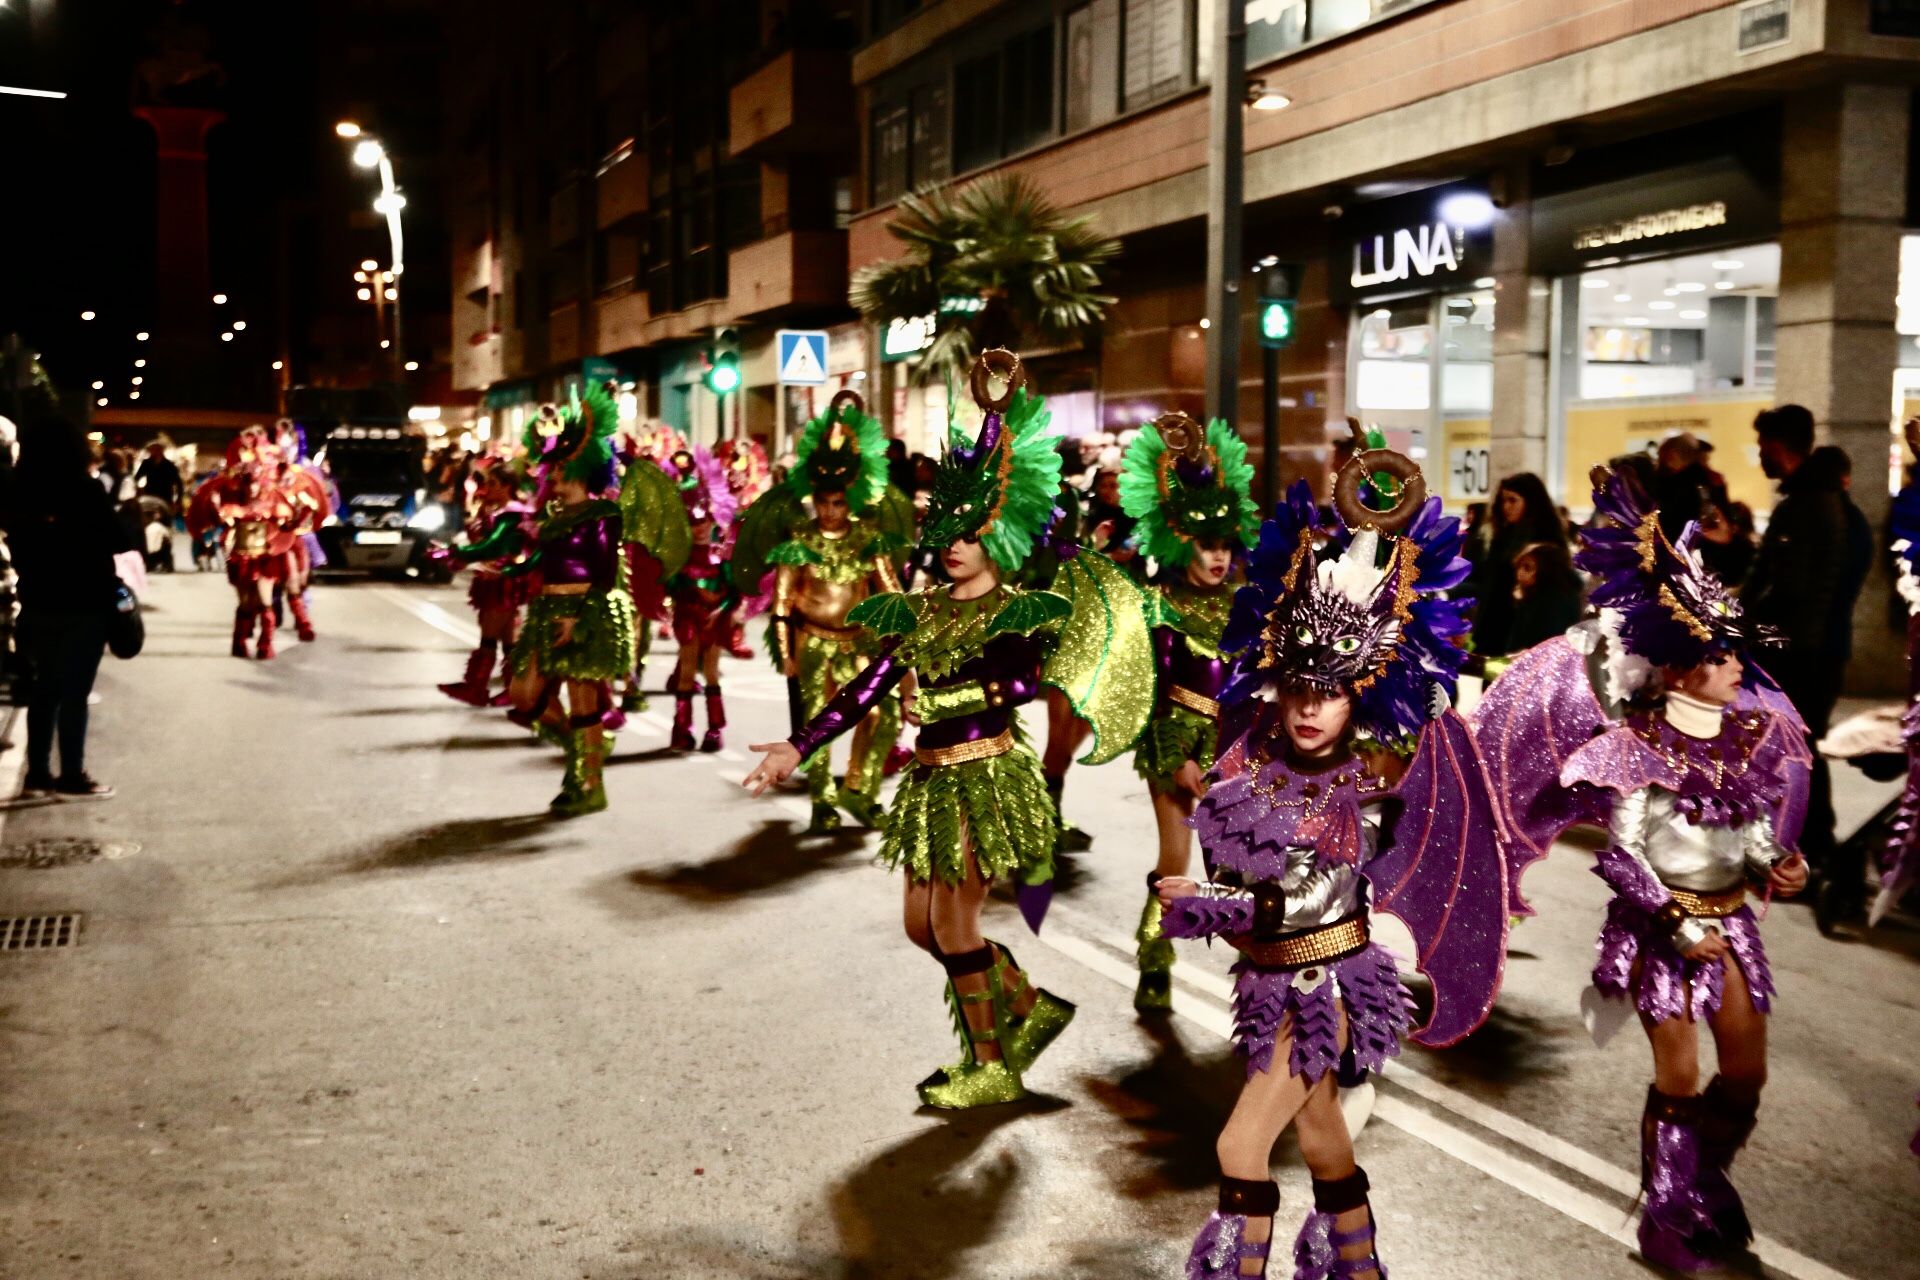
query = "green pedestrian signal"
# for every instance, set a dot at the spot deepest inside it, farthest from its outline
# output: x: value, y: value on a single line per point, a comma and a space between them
x: 723, y: 375
x: 1276, y: 322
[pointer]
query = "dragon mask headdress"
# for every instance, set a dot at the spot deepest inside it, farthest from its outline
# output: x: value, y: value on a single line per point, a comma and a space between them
x: 1000, y: 487
x: 1184, y: 485
x: 576, y: 439
x: 1657, y: 600
x: 842, y: 451
x: 1352, y: 604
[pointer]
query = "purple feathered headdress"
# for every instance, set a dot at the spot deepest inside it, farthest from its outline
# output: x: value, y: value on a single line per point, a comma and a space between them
x: 1352, y: 602
x: 1656, y: 598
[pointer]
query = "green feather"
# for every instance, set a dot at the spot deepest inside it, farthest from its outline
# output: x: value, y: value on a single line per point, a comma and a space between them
x: 866, y: 440
x: 890, y: 613
x: 1169, y: 523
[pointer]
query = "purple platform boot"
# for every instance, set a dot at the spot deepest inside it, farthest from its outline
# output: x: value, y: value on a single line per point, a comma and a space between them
x: 1726, y: 1122
x: 1317, y: 1252
x: 1222, y: 1245
x: 1676, y: 1230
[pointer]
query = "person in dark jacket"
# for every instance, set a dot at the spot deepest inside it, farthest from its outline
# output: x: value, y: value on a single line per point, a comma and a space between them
x: 1811, y: 565
x: 64, y: 534
x: 1523, y: 517
x: 1547, y: 596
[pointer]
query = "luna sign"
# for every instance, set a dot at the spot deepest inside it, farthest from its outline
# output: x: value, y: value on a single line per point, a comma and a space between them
x: 1418, y: 244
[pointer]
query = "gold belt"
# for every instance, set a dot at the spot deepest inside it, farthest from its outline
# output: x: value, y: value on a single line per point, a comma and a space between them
x: 1312, y: 946
x: 962, y: 752
x: 566, y: 588
x: 1199, y: 702
x: 820, y: 630
x: 1723, y: 903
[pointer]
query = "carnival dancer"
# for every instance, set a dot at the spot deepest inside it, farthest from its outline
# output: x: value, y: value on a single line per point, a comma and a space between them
x: 578, y: 633
x: 973, y: 808
x: 704, y: 596
x: 1900, y: 859
x: 1188, y: 489
x: 499, y: 540
x: 1696, y: 764
x: 824, y: 566
x: 1345, y: 659
x: 265, y: 507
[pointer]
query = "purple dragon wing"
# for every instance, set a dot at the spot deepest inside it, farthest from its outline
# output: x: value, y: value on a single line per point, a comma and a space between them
x: 1445, y: 877
x: 1536, y: 715
x: 1786, y: 742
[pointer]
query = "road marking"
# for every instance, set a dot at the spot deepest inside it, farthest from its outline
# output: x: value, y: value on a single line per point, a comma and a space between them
x: 1529, y: 1179
x: 432, y: 614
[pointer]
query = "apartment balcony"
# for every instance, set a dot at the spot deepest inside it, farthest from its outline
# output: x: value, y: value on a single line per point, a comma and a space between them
x: 791, y: 271
x: 621, y: 192
x: 473, y: 272
x: 799, y: 104
x: 620, y: 321
x: 563, y: 333
x: 563, y: 214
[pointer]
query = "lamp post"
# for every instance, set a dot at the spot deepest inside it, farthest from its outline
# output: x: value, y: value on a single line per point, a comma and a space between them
x: 369, y: 154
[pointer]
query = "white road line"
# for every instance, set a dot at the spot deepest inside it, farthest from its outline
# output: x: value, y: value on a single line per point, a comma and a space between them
x: 432, y: 614
x: 1523, y: 1176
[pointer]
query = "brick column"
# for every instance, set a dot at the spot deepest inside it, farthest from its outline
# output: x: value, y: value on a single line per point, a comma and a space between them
x: 1522, y: 304
x: 1843, y: 202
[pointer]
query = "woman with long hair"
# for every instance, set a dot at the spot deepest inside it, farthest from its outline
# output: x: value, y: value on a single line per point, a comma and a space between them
x: 1523, y: 517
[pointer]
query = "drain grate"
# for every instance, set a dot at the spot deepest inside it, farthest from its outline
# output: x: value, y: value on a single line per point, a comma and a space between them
x: 62, y: 851
x: 38, y: 933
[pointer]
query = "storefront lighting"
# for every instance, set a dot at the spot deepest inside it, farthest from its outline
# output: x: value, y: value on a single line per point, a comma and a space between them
x: 1728, y: 264
x: 238, y: 325
x: 141, y: 336
x: 1484, y: 282
x: 140, y: 364
x: 1636, y: 322
x: 1596, y: 282
x: 219, y: 299
x: 1261, y: 98
x: 1623, y: 297
x: 1690, y: 286
x: 1466, y: 209
x: 1693, y: 313
x: 1725, y: 284
x: 369, y: 264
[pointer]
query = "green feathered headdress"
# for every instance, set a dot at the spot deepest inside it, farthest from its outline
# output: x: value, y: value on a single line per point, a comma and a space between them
x: 842, y: 451
x: 577, y: 439
x: 1182, y: 485
x: 1001, y: 487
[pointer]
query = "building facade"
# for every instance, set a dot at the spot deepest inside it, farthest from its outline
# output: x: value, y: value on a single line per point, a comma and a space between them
x: 636, y: 183
x: 1525, y: 236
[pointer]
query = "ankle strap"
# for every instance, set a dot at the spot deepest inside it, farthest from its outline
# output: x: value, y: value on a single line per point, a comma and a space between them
x: 1341, y: 1195
x: 1248, y: 1197
x: 978, y: 960
x: 1668, y: 1108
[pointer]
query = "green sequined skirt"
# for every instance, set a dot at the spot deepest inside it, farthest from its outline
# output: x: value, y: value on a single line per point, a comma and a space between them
x: 1173, y: 737
x: 999, y: 805
x: 603, y: 638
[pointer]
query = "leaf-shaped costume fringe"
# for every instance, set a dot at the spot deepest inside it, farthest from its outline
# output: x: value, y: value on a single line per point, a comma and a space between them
x: 1668, y: 985
x: 1000, y: 805
x: 603, y: 638
x: 1172, y: 738
x: 1379, y: 1013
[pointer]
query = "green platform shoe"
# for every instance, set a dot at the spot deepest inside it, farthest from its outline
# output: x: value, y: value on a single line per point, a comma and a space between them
x: 867, y: 811
x: 1027, y: 1037
x: 825, y: 818
x: 1155, y: 953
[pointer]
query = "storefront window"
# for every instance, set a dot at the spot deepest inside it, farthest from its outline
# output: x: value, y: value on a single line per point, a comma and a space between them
x: 1434, y: 399
x: 1666, y: 346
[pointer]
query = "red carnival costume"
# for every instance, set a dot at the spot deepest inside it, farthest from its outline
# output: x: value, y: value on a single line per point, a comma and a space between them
x: 268, y: 506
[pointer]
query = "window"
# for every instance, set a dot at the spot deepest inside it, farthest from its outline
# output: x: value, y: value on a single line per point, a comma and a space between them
x: 1028, y: 71
x: 889, y: 155
x: 1158, y: 50
x: 976, y: 112
x: 930, y: 159
x: 1092, y: 86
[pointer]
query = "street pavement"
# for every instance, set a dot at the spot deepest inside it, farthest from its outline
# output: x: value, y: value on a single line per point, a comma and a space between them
x: 348, y: 1004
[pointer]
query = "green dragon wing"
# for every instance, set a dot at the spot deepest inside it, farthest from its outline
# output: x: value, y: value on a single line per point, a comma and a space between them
x: 1028, y: 612
x: 1104, y: 661
x: 890, y: 613
x: 769, y: 522
x: 653, y: 516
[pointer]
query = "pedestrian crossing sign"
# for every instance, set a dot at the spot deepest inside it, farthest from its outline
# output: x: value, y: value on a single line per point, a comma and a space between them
x: 803, y: 357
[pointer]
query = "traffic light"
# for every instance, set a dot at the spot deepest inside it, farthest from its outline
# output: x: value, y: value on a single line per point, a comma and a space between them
x: 1276, y: 322
x: 723, y: 363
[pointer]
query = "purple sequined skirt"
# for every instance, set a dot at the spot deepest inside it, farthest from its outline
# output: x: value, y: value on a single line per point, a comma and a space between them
x: 1667, y: 985
x: 1365, y: 984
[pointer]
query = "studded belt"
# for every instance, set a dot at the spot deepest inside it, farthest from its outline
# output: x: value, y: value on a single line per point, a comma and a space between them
x: 963, y: 752
x: 1336, y: 941
x: 565, y: 588
x: 1713, y: 905
x: 1197, y: 702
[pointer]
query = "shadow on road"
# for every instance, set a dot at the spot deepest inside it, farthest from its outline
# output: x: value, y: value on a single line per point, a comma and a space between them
x: 442, y: 844
x: 1509, y: 1048
x: 771, y: 858
x: 521, y: 741
x: 1174, y: 1106
x: 916, y: 1209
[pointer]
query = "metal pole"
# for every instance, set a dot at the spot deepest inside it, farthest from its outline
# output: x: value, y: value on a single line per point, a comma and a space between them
x: 1270, y: 425
x: 1226, y: 105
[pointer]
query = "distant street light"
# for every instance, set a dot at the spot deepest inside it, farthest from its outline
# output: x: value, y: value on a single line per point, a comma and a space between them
x: 140, y: 364
x: 226, y: 337
x: 133, y: 395
x: 365, y: 295
x: 347, y: 129
x: 369, y: 154
x: 99, y: 386
x: 141, y: 336
x: 102, y: 402
x: 138, y: 380
x: 412, y: 366
x: 239, y: 325
x: 86, y: 315
x: 389, y: 202
x: 279, y: 364
x: 384, y: 344
x: 219, y: 299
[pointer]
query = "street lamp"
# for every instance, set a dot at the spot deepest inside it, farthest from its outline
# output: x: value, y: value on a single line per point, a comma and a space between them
x: 369, y: 154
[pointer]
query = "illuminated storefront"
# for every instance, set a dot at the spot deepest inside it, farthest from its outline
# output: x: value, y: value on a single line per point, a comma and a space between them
x: 1414, y: 274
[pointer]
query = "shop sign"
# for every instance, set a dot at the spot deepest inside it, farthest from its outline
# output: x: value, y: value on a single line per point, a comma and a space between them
x: 1765, y: 24
x: 1674, y: 211
x: 1433, y: 241
x: 906, y: 337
